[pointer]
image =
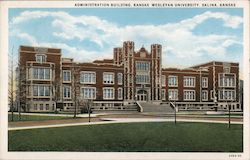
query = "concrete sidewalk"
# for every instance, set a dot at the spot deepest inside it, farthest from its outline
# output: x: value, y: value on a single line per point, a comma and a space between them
x: 121, y: 120
x: 62, y: 115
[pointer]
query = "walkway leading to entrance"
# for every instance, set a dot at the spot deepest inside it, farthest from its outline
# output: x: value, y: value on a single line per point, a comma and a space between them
x: 154, y: 108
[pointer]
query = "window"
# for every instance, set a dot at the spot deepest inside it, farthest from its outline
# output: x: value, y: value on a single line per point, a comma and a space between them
x: 88, y: 92
x: 35, y: 106
x: 163, y: 80
x: 204, y: 95
x: 227, y: 95
x: 41, y: 73
x: 173, y: 94
x: 41, y: 90
x: 66, y: 92
x: 172, y: 81
x: 108, y: 78
x: 119, y: 77
x: 189, y: 81
x: 227, y: 80
x: 120, y: 93
x: 189, y: 95
x: 204, y: 82
x: 226, y: 69
x: 142, y: 79
x: 41, y: 106
x: 142, y: 66
x: 66, y: 76
x: 47, y: 106
x: 108, y: 93
x: 163, y: 94
x: 87, y: 77
x: 40, y: 58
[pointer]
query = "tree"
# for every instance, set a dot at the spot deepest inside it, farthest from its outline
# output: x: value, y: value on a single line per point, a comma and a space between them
x: 75, y: 87
x: 11, y: 85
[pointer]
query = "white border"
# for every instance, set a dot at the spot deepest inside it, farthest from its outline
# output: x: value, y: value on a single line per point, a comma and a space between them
x: 4, y: 154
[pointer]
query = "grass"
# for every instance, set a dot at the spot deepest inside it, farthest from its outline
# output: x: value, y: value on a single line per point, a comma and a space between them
x: 127, y: 137
x: 34, y: 117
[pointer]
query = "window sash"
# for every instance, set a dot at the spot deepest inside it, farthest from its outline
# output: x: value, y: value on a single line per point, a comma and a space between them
x: 172, y: 81
x: 88, y: 93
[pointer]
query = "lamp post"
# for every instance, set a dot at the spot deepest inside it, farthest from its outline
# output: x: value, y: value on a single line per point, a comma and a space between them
x: 174, y: 105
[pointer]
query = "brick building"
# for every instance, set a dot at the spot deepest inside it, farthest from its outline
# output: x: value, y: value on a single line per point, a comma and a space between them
x: 48, y: 81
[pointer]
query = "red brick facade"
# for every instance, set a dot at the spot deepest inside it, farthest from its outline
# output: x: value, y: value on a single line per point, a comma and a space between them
x: 130, y: 76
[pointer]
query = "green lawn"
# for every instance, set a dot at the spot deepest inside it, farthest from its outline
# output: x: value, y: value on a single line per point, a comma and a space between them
x: 34, y: 117
x: 161, y: 136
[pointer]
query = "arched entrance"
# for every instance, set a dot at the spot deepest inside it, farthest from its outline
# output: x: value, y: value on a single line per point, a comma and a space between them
x: 142, y: 95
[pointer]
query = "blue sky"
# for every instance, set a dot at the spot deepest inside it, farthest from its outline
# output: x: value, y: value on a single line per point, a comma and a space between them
x: 188, y: 36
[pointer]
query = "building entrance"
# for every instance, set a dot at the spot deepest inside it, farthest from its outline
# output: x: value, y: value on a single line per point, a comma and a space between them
x: 142, y: 95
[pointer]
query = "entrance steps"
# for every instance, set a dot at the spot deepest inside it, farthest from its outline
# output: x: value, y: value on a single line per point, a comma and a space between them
x: 156, y: 108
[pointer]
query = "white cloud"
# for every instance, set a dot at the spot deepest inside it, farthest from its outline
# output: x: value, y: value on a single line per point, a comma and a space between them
x: 178, y: 39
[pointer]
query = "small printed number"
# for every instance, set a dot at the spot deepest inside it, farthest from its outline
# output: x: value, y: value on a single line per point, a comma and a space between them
x: 234, y: 155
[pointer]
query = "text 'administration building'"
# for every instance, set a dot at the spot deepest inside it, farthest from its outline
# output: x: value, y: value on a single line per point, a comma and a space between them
x: 48, y: 81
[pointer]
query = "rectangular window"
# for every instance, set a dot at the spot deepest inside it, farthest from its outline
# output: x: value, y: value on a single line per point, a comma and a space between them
x: 108, y: 78
x: 87, y: 77
x: 172, y: 81
x: 108, y: 93
x: 41, y: 106
x: 189, y: 81
x: 204, y: 82
x: 204, y: 95
x: 227, y: 95
x: 227, y: 80
x: 163, y: 94
x: 66, y: 92
x: 189, y: 95
x: 173, y: 94
x: 40, y: 58
x: 41, y: 90
x: 35, y: 106
x: 163, y: 80
x: 47, y: 106
x: 66, y: 76
x: 142, y: 66
x: 120, y: 93
x: 141, y: 79
x: 41, y: 73
x: 120, y: 78
x: 88, y: 92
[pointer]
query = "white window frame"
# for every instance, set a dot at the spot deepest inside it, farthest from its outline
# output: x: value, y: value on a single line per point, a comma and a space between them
x: 87, y: 72
x: 223, y: 85
x: 188, y: 84
x: 68, y: 71
x: 202, y: 98
x: 110, y: 88
x: 119, y: 78
x: 43, y: 78
x: 120, y: 90
x: 175, y: 98
x: 142, y: 82
x: 173, y: 85
x: 204, y: 82
x: 184, y: 97
x: 39, y: 86
x: 69, y: 91
x: 144, y: 68
x: 163, y: 80
x: 83, y: 95
x: 42, y: 60
x: 227, y: 90
x: 113, y: 77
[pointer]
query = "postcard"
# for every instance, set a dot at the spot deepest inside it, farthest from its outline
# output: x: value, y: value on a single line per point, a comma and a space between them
x: 124, y: 79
